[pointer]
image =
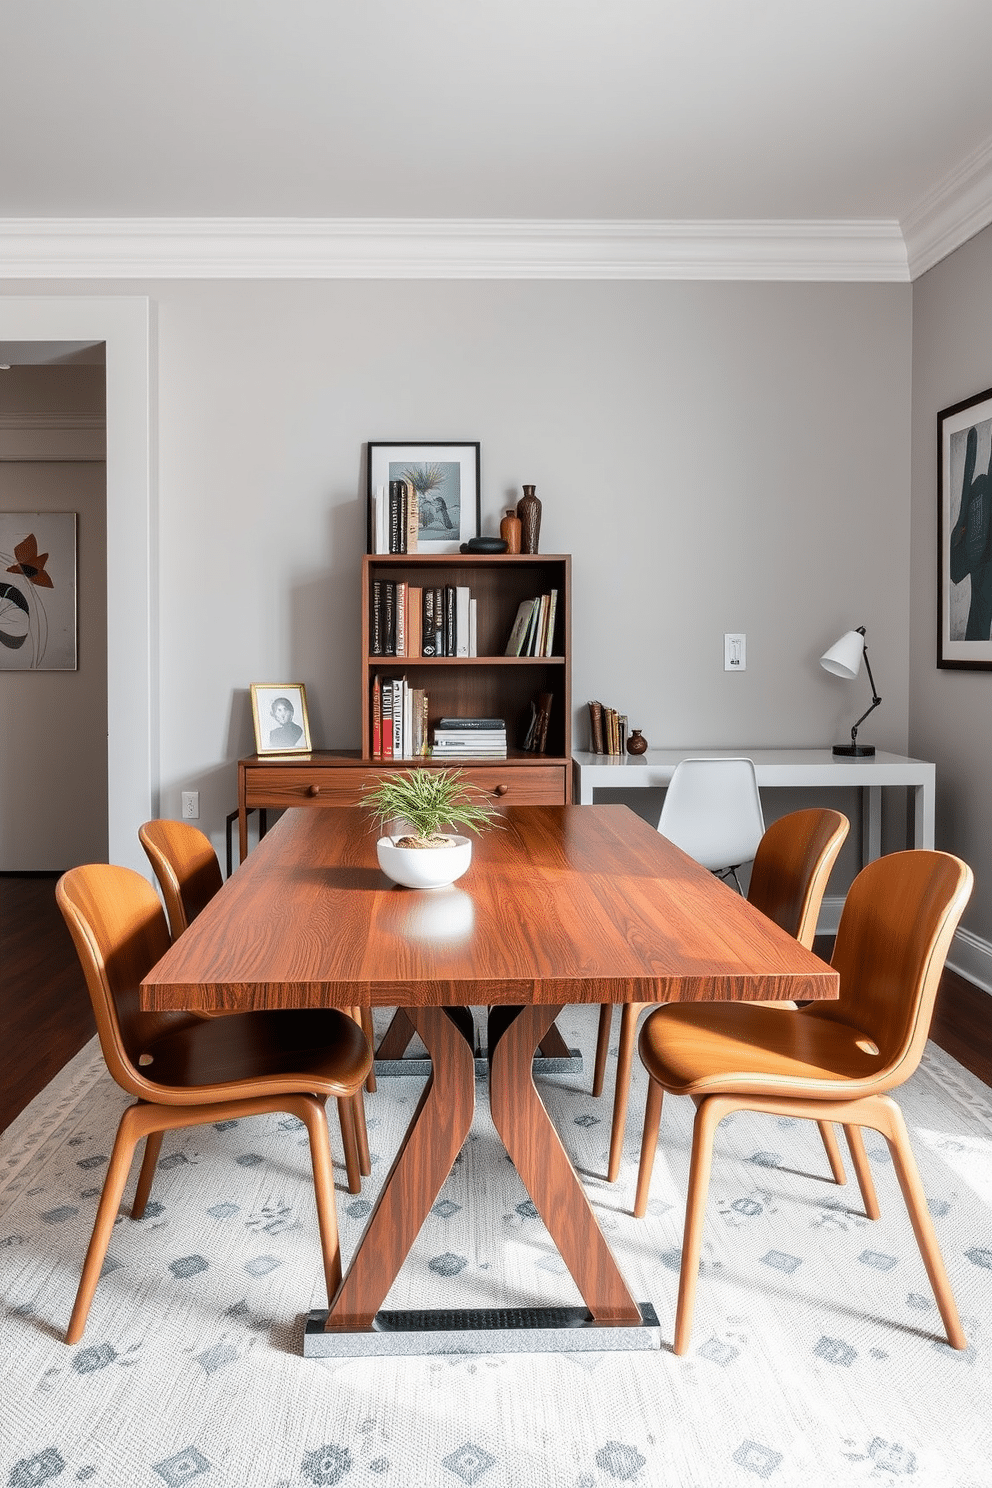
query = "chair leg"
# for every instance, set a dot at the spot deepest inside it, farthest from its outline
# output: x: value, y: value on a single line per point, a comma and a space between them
x: 349, y: 1141
x: 153, y: 1146
x: 129, y: 1134
x: 365, y: 1018
x: 832, y: 1148
x: 361, y: 1135
x: 629, y: 1014
x: 602, y: 1047
x: 709, y: 1113
x: 893, y: 1129
x: 866, y: 1183
x: 310, y: 1109
x: 649, y: 1145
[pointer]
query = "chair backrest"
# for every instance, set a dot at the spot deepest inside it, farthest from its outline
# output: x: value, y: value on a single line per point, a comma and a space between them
x: 895, y: 931
x: 791, y: 868
x: 119, y: 931
x: 712, y: 811
x: 186, y: 867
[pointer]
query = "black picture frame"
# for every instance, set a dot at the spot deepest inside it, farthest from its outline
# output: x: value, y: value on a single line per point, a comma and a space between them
x: 964, y: 534
x: 458, y: 490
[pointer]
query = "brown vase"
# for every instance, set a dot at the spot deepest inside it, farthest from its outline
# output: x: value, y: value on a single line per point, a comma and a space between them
x: 529, y: 512
x: 510, y: 531
x: 637, y: 743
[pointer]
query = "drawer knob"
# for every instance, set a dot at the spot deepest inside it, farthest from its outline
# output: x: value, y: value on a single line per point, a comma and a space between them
x: 313, y: 790
x: 501, y: 790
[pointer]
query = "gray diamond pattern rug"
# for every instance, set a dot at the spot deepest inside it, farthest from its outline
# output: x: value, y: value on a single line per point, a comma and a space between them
x: 816, y: 1357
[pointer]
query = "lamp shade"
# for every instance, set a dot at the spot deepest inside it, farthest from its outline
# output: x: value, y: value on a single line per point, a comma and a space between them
x: 844, y: 656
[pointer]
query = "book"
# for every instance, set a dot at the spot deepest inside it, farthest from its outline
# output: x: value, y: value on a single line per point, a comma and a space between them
x: 596, y: 728
x: 419, y: 736
x: 389, y: 618
x: 473, y: 627
x: 549, y: 637
x: 377, y: 718
x: 397, y: 530
x: 472, y: 723
x: 414, y: 619
x: 535, y: 639
x: 462, y: 597
x: 387, y: 719
x: 439, y: 620
x: 399, y: 689
x: 428, y: 640
x: 376, y: 637
x: 450, y: 621
x: 525, y: 611
x: 412, y: 519
x: 401, y: 619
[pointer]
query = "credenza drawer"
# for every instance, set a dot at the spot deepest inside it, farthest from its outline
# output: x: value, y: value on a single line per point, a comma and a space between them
x: 535, y: 785
x: 278, y: 786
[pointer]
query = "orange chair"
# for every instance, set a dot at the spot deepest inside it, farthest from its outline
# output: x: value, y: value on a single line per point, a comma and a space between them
x: 789, y: 875
x: 826, y: 1061
x: 188, y: 873
x: 184, y: 1070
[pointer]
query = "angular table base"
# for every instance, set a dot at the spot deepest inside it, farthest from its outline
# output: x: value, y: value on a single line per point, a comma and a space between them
x: 568, y: 1064
x: 482, y: 1330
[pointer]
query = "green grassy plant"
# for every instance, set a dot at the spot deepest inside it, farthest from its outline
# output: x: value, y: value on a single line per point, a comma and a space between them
x: 429, y: 801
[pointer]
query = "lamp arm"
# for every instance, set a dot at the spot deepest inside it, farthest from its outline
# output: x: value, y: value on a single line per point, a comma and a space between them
x: 875, y: 699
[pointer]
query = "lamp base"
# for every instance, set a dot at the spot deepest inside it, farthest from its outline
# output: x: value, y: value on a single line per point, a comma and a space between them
x: 855, y: 751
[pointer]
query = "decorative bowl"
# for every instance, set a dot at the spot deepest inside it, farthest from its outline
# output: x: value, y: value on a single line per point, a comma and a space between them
x: 485, y: 545
x: 424, y: 867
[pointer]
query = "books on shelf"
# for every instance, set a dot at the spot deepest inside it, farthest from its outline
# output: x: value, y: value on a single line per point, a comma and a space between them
x: 456, y: 738
x: 533, y: 629
x: 535, y: 738
x: 395, y: 518
x: 399, y: 719
x: 421, y: 620
x: 607, y: 730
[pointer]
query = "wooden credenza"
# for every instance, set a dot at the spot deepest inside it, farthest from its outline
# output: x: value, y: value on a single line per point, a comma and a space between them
x: 338, y: 778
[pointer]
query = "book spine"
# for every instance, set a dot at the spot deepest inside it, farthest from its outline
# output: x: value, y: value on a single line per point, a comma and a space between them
x: 461, y: 620
x: 377, y: 719
x: 381, y: 520
x: 387, y: 720
x: 544, y: 718
x: 596, y: 727
x: 389, y: 617
x: 412, y: 519
x: 450, y: 621
x: 428, y: 643
x: 396, y: 489
x: 549, y: 641
x: 414, y: 619
x: 473, y: 627
x: 376, y: 647
x: 399, y: 687
x: 401, y: 619
x: 439, y: 620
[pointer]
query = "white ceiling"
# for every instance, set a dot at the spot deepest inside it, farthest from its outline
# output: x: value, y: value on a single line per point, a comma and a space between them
x: 623, y: 110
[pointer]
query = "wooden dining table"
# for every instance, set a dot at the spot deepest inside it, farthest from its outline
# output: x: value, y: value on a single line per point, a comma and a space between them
x: 561, y: 905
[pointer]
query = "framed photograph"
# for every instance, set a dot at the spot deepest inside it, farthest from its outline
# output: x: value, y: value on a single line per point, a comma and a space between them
x: 37, y: 591
x: 446, y: 480
x: 964, y: 535
x: 279, y: 713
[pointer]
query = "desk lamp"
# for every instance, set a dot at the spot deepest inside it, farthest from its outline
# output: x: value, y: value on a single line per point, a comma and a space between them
x: 844, y: 660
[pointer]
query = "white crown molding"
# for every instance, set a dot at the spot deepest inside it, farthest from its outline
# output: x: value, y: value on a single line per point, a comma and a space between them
x: 954, y: 211
x: 53, y: 437
x: 373, y: 248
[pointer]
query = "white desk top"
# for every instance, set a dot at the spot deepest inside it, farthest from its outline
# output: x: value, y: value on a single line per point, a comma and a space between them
x: 772, y: 767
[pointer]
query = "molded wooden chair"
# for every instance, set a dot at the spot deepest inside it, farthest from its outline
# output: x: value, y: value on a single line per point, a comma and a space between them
x: 184, y: 1070
x: 792, y: 865
x: 188, y: 873
x: 826, y: 1061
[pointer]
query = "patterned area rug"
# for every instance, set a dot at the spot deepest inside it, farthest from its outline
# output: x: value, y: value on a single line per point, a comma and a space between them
x: 816, y: 1356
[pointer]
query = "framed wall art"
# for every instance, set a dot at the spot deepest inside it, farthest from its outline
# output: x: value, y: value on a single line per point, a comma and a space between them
x: 964, y: 535
x: 279, y: 713
x: 38, y: 591
x: 445, y: 478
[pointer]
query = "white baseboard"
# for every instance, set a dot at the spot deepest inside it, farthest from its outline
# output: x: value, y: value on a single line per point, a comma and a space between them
x: 970, y: 955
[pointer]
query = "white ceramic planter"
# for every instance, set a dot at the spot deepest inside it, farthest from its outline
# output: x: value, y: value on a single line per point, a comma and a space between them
x: 424, y: 867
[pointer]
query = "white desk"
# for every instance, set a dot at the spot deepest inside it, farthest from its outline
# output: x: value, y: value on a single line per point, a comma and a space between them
x: 795, y: 768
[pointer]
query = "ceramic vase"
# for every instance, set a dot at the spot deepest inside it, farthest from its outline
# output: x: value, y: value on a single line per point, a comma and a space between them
x: 637, y: 743
x: 510, y: 531
x: 529, y: 512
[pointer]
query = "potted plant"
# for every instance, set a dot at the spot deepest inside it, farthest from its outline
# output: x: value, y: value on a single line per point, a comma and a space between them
x: 428, y: 804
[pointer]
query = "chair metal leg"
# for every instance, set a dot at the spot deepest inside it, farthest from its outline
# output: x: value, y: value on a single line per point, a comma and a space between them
x: 602, y: 1047
x: 649, y: 1145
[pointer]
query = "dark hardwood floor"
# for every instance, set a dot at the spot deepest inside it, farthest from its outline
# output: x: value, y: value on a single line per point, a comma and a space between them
x: 45, y: 1015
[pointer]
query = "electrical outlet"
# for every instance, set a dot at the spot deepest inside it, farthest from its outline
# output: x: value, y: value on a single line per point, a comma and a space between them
x: 191, y: 805
x: 735, y: 651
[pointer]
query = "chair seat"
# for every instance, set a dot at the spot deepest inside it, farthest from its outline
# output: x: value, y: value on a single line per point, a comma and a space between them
x: 272, y: 1050
x: 746, y: 1048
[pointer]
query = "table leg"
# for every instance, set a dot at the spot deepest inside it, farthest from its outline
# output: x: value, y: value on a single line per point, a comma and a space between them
x: 434, y: 1139
x: 543, y: 1164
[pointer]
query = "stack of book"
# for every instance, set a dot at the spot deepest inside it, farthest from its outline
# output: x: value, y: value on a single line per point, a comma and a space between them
x: 415, y: 620
x: 466, y: 738
x: 607, y: 730
x: 535, y: 737
x: 533, y: 631
x: 395, y: 523
x: 399, y: 719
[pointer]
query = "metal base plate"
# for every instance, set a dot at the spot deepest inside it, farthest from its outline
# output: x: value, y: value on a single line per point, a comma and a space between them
x: 384, y: 1068
x: 483, y: 1330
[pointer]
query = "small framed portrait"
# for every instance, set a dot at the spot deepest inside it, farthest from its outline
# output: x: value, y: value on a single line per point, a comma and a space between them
x: 279, y: 713
x: 964, y: 548
x: 443, y: 482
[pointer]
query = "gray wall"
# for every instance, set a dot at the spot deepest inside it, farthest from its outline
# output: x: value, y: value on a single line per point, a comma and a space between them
x: 950, y: 711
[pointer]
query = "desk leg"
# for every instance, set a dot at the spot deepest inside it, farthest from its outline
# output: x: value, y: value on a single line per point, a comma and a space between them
x: 871, y: 823
x: 434, y: 1139
x: 543, y: 1164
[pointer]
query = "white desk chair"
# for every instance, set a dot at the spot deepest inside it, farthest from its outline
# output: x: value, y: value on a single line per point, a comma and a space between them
x: 712, y: 811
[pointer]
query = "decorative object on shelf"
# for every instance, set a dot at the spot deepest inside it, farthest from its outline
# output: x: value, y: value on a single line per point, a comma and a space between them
x: 964, y: 550
x: 279, y: 713
x: 510, y: 529
x: 484, y: 545
x: 37, y: 591
x: 844, y: 660
x: 636, y: 744
x: 427, y: 802
x: 445, y: 480
x: 529, y: 512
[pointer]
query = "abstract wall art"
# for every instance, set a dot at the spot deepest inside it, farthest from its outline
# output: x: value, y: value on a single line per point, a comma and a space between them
x: 38, y: 591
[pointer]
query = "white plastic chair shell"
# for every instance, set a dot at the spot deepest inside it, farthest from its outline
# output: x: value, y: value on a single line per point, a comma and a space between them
x: 712, y: 811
